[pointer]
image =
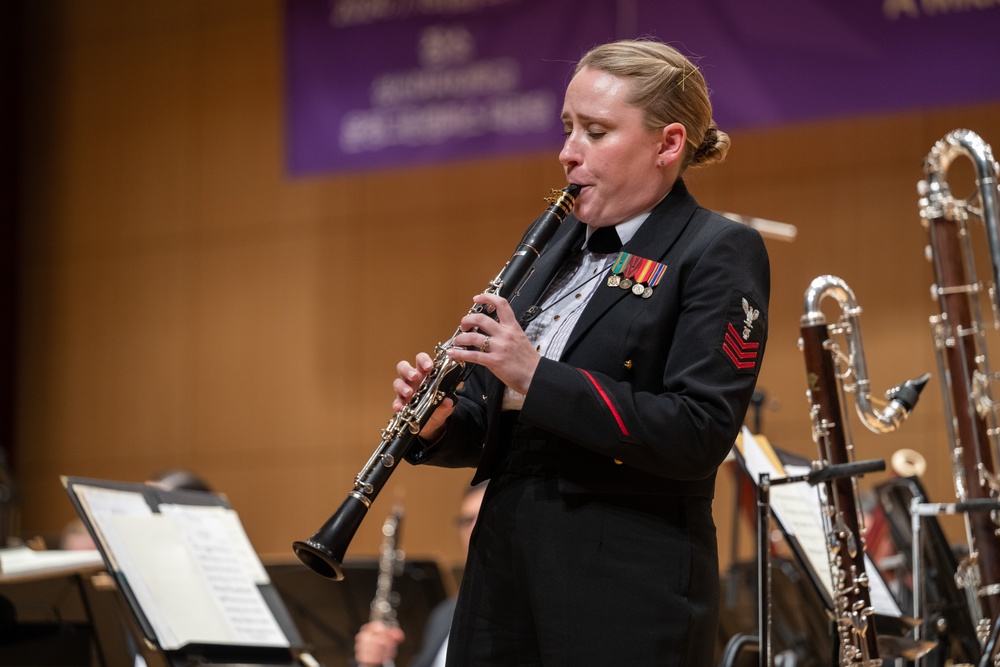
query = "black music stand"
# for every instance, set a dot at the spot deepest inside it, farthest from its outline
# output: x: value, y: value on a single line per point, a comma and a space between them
x: 328, y: 613
x: 801, y: 629
x: 116, y: 513
x: 887, y: 625
x: 943, y: 600
x: 919, y: 512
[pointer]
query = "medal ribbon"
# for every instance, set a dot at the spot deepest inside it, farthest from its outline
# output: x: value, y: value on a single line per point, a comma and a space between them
x: 655, y: 279
x: 620, y: 261
x: 645, y: 270
x: 633, y: 265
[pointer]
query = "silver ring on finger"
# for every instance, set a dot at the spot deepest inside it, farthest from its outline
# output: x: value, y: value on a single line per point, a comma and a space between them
x: 486, y: 345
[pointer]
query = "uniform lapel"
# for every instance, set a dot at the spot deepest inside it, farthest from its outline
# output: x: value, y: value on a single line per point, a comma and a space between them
x: 569, y: 238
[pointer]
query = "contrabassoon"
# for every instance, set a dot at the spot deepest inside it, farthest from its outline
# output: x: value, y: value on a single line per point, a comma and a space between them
x: 960, y: 340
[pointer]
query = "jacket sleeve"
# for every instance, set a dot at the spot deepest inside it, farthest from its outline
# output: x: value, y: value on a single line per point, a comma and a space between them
x: 461, y: 443
x: 681, y: 420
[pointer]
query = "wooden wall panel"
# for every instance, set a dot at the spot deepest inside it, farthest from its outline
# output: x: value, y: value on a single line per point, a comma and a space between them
x: 185, y: 303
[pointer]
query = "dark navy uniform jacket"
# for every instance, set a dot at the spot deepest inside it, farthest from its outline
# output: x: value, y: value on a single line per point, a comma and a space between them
x: 650, y: 393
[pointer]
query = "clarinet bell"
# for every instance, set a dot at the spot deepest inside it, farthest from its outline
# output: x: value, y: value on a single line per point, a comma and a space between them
x: 323, y: 553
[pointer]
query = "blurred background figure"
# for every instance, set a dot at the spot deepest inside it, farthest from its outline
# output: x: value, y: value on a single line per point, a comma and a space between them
x: 376, y: 643
x: 179, y: 479
x: 76, y: 537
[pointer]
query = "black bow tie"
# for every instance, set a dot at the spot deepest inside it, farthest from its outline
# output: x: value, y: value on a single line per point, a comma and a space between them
x: 604, y: 240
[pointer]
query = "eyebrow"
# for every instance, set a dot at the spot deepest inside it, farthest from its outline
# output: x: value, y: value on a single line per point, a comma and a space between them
x: 584, y: 118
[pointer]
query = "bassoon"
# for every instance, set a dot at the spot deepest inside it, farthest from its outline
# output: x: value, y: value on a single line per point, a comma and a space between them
x: 830, y: 372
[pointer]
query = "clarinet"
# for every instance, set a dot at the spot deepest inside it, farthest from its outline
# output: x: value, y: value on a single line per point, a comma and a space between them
x: 324, y: 551
x: 385, y: 602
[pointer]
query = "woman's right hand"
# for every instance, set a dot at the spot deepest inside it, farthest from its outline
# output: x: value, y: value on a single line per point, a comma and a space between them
x: 409, y: 380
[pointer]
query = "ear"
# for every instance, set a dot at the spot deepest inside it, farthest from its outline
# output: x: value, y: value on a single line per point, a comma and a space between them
x: 673, y: 139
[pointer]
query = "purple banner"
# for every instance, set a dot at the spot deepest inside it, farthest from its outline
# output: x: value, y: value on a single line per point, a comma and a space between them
x: 392, y: 83
x: 397, y: 82
x: 784, y: 61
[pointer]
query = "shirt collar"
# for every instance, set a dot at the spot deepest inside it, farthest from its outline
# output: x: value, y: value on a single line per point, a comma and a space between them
x: 627, y: 228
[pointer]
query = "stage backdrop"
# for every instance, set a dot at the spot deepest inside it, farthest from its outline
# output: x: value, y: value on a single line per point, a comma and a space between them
x: 380, y: 83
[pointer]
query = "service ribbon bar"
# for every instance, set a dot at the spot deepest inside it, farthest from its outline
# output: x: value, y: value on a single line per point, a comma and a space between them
x: 640, y: 275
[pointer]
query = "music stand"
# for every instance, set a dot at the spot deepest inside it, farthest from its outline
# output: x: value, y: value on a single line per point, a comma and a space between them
x: 919, y: 511
x: 802, y: 530
x: 188, y: 574
x: 942, y: 600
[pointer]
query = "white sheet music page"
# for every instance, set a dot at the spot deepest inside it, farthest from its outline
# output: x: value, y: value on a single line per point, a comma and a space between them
x: 104, y: 506
x: 180, y: 596
x: 231, y: 568
x: 797, y: 508
x: 193, y: 576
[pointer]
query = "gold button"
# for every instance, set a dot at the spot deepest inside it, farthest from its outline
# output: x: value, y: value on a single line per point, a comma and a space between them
x: 556, y: 318
x: 579, y: 296
x: 617, y: 462
x: 628, y: 363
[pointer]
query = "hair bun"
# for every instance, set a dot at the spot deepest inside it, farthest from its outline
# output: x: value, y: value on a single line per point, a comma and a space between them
x: 713, y: 147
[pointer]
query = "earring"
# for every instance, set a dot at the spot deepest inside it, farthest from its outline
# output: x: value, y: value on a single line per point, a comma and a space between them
x: 662, y: 163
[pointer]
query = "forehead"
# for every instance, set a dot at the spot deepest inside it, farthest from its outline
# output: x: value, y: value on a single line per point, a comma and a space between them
x: 594, y: 93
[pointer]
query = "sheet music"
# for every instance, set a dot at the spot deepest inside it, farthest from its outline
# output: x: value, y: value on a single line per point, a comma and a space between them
x: 228, y: 567
x: 195, y: 581
x: 797, y: 508
x: 103, y: 506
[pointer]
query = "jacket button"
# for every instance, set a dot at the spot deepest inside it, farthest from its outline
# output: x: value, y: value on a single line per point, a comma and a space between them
x: 628, y: 364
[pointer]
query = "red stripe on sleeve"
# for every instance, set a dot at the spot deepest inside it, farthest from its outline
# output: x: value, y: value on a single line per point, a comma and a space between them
x: 607, y: 401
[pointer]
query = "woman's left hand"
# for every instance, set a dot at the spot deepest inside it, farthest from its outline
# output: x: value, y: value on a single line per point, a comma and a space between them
x: 500, y: 345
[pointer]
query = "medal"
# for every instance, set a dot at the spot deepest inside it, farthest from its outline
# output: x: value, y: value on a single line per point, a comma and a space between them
x: 634, y: 262
x: 638, y: 275
x: 615, y: 279
x: 650, y: 274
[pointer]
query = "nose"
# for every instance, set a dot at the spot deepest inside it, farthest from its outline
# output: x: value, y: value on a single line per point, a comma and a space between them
x: 569, y: 156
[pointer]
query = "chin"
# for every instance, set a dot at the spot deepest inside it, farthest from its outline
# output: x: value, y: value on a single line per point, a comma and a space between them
x: 584, y: 213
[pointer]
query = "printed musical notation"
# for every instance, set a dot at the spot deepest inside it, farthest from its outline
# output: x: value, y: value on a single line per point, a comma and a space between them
x: 191, y: 568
